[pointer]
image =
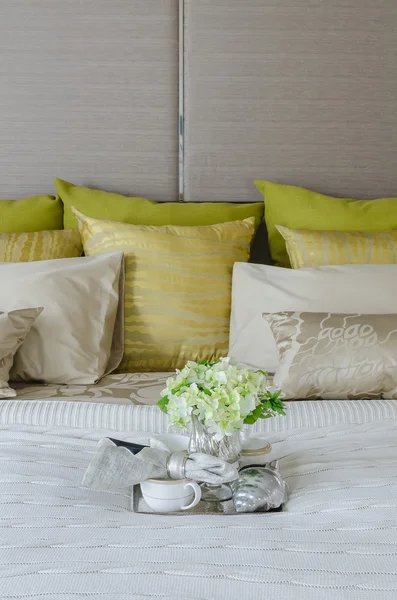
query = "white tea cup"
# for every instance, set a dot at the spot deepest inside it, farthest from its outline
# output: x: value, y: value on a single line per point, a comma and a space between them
x: 170, y: 495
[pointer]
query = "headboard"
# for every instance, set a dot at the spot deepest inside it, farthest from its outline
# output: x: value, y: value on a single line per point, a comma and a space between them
x: 295, y: 91
x: 88, y: 93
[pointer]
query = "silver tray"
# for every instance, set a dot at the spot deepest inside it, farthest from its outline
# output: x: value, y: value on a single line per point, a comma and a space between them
x: 138, y: 505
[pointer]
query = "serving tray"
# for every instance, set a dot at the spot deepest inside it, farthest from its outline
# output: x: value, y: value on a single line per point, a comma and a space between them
x: 138, y: 505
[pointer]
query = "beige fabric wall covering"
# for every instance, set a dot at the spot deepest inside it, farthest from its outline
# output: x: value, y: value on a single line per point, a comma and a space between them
x: 89, y: 93
x: 296, y: 91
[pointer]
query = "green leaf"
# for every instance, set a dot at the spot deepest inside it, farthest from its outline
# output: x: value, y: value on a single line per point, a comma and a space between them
x: 254, y: 415
x: 261, y: 372
x: 270, y: 406
x: 178, y: 388
x: 163, y: 403
x: 250, y: 419
x: 204, y: 389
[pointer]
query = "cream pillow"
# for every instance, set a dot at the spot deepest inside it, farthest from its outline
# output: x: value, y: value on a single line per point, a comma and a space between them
x: 367, y: 289
x: 335, y: 356
x: 177, y: 287
x: 78, y: 338
x: 14, y: 327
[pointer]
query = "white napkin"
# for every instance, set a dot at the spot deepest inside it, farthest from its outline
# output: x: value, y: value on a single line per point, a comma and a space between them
x: 115, y: 467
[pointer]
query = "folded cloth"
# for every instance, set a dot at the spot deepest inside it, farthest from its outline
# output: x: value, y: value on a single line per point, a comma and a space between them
x: 116, y: 467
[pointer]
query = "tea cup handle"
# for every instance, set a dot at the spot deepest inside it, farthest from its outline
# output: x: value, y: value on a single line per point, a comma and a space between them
x: 197, y: 495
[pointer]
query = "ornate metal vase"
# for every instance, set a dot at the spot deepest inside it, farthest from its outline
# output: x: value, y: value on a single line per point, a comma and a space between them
x: 228, y: 448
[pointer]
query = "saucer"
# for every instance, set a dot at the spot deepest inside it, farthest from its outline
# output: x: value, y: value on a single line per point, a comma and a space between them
x: 173, y: 441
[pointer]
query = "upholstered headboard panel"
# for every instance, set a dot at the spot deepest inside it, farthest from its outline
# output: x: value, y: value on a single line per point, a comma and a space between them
x: 88, y: 92
x: 296, y: 91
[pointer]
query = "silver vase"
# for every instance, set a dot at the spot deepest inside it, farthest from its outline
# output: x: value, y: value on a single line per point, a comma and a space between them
x: 228, y: 448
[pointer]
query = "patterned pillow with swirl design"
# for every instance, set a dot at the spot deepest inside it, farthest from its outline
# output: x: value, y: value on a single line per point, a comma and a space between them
x: 335, y: 356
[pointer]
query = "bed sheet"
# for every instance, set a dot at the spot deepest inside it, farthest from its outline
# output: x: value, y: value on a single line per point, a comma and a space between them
x: 111, y: 403
x: 336, y: 539
x: 124, y: 388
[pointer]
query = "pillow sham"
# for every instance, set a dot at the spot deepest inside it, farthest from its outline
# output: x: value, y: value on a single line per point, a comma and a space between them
x: 141, y: 211
x: 40, y: 245
x: 298, y: 208
x: 37, y: 213
x: 367, y: 289
x: 14, y: 327
x: 316, y: 248
x: 78, y: 338
x: 335, y: 356
x: 177, y: 287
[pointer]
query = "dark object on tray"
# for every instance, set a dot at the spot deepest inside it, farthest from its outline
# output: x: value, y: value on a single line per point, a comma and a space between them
x: 134, y: 448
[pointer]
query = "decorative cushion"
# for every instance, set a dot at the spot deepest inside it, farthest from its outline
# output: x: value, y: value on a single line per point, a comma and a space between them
x: 141, y: 211
x: 37, y: 213
x: 40, y: 245
x: 335, y: 356
x: 14, y: 327
x: 177, y: 287
x: 317, y: 248
x: 298, y: 208
x: 79, y: 336
x: 368, y: 289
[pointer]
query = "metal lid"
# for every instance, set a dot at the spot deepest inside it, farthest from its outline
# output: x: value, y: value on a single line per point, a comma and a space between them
x: 255, y: 447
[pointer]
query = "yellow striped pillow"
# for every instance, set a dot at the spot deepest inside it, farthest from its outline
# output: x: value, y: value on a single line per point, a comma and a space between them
x: 318, y: 248
x: 40, y: 245
x: 177, y: 288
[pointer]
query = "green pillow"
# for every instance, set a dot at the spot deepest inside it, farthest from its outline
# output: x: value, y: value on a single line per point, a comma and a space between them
x: 141, y: 211
x: 38, y: 213
x: 298, y: 208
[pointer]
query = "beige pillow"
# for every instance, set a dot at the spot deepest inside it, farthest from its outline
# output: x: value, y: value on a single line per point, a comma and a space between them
x: 14, y: 327
x: 79, y: 336
x: 335, y: 356
x: 257, y: 289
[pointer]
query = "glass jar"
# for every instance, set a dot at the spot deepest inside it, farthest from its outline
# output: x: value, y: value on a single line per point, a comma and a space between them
x: 228, y: 448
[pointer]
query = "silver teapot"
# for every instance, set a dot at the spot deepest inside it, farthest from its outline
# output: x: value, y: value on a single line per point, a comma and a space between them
x: 259, y: 487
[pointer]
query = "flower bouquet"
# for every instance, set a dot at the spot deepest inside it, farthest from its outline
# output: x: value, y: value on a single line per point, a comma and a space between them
x: 216, y: 399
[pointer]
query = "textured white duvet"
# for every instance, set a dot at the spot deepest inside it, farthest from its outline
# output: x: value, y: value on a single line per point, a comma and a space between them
x: 337, y: 539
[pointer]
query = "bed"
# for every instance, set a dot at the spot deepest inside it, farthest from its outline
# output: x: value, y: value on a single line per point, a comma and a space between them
x: 95, y: 100
x: 335, y: 538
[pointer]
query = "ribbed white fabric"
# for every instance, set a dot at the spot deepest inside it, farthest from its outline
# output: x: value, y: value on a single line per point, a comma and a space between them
x: 84, y: 415
x: 149, y: 418
x: 336, y: 540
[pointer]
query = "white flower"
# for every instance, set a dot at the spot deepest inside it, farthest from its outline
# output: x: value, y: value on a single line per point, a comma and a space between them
x: 247, y: 404
x: 220, y: 394
x: 221, y: 377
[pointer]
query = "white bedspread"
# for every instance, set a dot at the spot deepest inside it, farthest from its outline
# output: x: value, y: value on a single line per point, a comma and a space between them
x: 337, y: 539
